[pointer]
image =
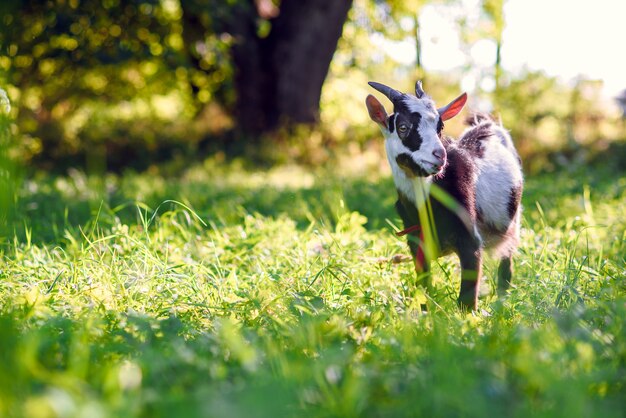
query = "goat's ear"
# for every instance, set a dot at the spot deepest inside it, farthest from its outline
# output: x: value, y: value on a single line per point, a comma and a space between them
x: 453, y: 108
x: 376, y: 110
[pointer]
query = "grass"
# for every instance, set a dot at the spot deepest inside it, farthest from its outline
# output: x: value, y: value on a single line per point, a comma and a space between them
x: 225, y: 292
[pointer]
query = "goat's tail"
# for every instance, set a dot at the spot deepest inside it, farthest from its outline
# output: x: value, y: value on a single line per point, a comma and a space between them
x: 477, y: 118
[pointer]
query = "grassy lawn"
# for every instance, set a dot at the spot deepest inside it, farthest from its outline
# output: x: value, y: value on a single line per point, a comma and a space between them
x: 225, y: 292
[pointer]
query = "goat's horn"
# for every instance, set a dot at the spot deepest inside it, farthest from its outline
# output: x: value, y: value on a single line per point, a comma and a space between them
x: 419, y: 91
x: 391, y: 94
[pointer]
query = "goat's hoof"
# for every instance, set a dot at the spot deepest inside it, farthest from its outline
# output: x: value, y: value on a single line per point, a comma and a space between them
x: 502, y: 292
x: 467, y: 304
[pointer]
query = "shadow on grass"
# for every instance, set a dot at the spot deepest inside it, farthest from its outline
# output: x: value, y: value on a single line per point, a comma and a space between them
x: 48, y: 207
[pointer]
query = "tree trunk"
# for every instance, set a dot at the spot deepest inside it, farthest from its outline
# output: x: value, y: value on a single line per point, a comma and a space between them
x: 498, y: 65
x: 278, y: 78
x: 418, y: 46
x: 303, y: 41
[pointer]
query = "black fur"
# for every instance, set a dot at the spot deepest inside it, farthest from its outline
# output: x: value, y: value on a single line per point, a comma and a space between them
x: 474, y: 138
x: 391, y: 122
x: 439, y: 126
x: 411, y: 139
x: 514, y: 200
x: 456, y: 181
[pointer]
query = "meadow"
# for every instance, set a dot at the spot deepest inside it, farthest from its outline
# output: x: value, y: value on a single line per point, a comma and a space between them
x: 228, y: 291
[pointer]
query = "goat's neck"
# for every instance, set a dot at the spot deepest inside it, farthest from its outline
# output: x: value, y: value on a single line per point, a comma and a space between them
x: 415, y: 189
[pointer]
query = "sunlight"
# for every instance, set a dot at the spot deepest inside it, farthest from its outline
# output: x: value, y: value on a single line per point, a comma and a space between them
x: 583, y: 42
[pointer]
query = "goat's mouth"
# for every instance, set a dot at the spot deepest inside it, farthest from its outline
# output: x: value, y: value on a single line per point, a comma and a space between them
x: 414, y: 169
x: 433, y: 168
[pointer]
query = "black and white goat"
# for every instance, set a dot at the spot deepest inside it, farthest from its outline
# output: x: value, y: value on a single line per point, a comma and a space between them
x: 472, y: 187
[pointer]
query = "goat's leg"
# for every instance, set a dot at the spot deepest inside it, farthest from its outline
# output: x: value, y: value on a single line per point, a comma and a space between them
x: 470, y: 257
x: 505, y: 272
x: 422, y: 265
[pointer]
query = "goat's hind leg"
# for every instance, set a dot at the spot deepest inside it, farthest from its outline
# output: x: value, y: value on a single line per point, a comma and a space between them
x: 505, y: 251
x: 470, y: 256
x: 505, y: 274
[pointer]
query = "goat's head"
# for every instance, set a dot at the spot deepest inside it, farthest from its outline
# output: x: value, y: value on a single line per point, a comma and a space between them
x: 413, y: 131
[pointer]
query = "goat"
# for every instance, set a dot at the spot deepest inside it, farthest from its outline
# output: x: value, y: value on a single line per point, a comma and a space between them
x: 453, y: 196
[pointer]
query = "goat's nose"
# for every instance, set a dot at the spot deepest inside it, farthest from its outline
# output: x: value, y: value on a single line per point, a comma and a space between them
x: 440, y: 154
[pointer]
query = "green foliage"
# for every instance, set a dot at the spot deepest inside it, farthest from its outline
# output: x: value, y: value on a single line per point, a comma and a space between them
x: 228, y: 292
x: 9, y: 169
x: 225, y: 291
x: 553, y: 124
x: 67, y: 63
x: 114, y: 84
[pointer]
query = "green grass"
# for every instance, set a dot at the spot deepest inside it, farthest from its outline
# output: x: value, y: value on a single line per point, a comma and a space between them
x: 232, y: 293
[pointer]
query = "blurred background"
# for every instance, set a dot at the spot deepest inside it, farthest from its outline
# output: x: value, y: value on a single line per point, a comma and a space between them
x: 115, y: 85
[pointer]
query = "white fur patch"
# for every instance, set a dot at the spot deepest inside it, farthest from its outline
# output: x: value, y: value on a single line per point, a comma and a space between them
x: 499, y: 173
x: 424, y: 106
x: 504, y: 137
x: 394, y: 147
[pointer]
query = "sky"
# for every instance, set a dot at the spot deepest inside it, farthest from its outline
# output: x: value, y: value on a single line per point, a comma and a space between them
x: 569, y: 38
x: 564, y: 38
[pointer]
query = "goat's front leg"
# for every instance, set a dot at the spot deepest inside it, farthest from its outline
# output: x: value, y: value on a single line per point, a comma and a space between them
x: 470, y: 256
x: 422, y: 265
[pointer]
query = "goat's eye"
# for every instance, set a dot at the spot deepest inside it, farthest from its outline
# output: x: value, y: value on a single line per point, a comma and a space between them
x: 403, y: 128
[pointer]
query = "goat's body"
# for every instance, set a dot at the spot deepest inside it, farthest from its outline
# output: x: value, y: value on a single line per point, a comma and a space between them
x: 484, y: 176
x: 498, y: 185
x: 478, y: 178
